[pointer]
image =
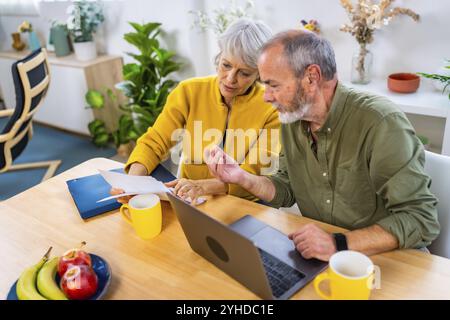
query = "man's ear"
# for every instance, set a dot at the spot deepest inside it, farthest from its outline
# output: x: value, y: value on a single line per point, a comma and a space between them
x: 313, y: 73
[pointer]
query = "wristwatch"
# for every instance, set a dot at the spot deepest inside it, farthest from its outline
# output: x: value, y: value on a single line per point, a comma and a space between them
x: 341, y: 241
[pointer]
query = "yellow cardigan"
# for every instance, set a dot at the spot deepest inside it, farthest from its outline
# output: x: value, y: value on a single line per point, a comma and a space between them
x: 199, y: 99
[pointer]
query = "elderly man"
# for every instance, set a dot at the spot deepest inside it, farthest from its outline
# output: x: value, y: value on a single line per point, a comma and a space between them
x: 350, y: 159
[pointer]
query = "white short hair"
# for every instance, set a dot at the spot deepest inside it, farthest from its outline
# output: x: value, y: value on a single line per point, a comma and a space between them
x: 243, y: 39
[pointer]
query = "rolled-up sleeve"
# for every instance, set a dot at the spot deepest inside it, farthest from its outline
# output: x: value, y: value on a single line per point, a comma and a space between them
x: 397, y: 170
x: 284, y: 196
x: 272, y: 148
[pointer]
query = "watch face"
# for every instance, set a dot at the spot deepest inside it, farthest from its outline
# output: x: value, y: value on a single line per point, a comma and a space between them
x: 341, y: 241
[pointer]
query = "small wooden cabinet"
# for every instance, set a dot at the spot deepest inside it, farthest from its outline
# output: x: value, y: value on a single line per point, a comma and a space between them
x: 64, y: 106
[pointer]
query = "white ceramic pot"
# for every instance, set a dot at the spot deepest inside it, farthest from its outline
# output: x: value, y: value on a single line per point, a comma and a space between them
x: 85, y: 51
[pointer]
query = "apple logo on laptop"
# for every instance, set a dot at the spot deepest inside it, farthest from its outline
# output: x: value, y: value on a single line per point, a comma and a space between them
x: 217, y: 249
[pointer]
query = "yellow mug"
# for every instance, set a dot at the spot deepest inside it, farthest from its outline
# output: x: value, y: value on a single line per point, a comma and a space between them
x: 144, y: 213
x: 350, y: 276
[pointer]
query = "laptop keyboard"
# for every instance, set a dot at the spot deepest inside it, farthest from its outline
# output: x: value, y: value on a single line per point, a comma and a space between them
x: 282, y: 277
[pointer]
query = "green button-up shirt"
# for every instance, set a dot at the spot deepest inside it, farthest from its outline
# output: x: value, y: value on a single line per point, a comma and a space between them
x: 368, y: 170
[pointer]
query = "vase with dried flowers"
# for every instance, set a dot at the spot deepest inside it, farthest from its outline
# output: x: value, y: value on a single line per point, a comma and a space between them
x: 365, y: 17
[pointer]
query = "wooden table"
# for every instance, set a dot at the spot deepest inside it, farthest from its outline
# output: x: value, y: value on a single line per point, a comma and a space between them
x: 166, y: 267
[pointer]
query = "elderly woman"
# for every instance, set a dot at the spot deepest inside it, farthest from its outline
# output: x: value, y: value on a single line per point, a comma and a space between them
x: 207, y: 108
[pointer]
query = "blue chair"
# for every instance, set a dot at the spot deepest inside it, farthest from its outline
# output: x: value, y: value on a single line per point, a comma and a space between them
x: 31, y: 77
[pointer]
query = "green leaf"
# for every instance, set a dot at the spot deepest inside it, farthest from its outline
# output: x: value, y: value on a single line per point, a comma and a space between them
x: 95, y: 125
x: 149, y: 28
x: 136, y: 26
x: 111, y: 94
x: 115, y: 138
x: 140, y: 111
x: 126, y: 87
x: 101, y: 140
x: 131, y: 70
x: 133, y: 135
x: 134, y: 39
x: 424, y: 139
x: 95, y: 99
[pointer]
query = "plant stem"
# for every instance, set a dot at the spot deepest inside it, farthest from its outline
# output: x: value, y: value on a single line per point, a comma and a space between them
x: 362, y: 56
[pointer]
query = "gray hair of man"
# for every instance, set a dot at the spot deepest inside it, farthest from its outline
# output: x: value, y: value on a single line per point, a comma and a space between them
x: 303, y: 48
x: 242, y: 40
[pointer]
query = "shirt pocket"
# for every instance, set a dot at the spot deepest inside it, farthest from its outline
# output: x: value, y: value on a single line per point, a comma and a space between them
x: 356, y: 199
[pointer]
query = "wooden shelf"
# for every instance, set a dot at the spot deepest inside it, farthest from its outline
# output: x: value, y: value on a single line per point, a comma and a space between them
x: 426, y: 101
x: 68, y: 61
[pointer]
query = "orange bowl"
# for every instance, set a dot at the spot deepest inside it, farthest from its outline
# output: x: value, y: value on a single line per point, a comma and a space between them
x: 403, y: 82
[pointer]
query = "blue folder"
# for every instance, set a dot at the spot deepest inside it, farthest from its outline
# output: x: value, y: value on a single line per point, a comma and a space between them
x: 86, y: 191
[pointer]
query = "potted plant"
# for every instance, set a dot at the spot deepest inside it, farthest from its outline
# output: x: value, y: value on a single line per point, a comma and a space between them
x: 145, y: 81
x: 443, y: 79
x: 123, y: 137
x: 222, y: 17
x: 145, y: 85
x: 83, y: 22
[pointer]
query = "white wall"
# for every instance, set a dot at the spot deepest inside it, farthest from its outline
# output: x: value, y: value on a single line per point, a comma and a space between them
x: 177, y: 34
x: 402, y: 46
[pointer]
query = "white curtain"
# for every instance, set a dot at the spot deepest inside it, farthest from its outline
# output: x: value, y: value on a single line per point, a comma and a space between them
x: 19, y: 7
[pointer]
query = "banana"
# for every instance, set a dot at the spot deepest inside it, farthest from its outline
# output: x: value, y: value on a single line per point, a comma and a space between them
x: 46, y: 283
x: 26, y: 285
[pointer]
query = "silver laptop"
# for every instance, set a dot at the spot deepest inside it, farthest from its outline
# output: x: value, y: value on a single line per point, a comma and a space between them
x: 260, y: 257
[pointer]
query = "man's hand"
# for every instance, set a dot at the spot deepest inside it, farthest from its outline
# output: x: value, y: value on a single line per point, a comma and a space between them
x: 222, y: 166
x: 313, y: 242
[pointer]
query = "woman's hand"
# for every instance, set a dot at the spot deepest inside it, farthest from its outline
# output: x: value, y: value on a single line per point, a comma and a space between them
x: 136, y: 169
x: 193, y: 189
x: 185, y: 188
x: 116, y: 191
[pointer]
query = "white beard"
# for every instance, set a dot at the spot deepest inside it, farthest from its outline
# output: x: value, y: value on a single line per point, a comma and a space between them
x: 290, y: 117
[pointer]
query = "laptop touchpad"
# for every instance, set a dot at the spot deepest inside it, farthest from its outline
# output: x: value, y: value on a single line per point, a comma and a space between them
x: 277, y: 244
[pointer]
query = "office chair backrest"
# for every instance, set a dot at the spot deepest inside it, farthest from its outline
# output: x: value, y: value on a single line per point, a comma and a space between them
x: 31, y: 77
x: 438, y: 167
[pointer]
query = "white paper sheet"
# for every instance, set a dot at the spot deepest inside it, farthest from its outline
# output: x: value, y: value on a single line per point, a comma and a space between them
x: 133, y: 185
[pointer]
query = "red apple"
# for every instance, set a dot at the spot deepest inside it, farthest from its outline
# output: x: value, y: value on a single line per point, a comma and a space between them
x: 73, y: 257
x: 79, y: 282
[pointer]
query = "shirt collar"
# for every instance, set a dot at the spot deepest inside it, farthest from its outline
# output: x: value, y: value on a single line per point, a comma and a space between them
x: 336, y: 110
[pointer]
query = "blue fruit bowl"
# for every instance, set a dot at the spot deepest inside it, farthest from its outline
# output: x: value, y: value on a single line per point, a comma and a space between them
x: 101, y: 268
